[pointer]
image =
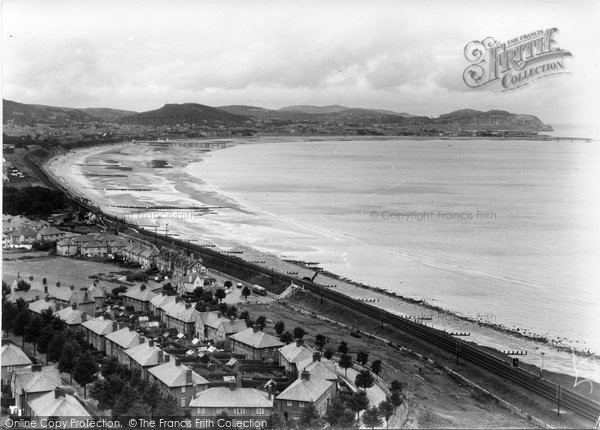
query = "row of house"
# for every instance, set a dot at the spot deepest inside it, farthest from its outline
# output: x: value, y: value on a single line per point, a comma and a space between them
x: 26, y: 236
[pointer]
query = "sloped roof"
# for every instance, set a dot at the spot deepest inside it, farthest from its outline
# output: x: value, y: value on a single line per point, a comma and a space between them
x: 67, y: 241
x: 12, y: 355
x: 233, y: 326
x: 93, y: 244
x: 41, y: 305
x: 63, y: 406
x: 223, y: 397
x: 294, y: 353
x: 99, y: 325
x: 28, y: 296
x: 175, y: 376
x: 125, y: 338
x: 257, y: 340
x: 144, y: 354
x: 70, y: 316
x: 180, y: 311
x: 50, y: 231
x: 28, y: 381
x: 213, y: 319
x: 161, y: 300
x: 319, y: 369
x: 137, y: 293
x: 23, y: 231
x: 305, y: 390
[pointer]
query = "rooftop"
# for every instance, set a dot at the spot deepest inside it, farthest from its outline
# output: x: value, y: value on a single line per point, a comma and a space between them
x: 12, y: 355
x: 29, y: 381
x: 305, y: 390
x: 124, y: 337
x: 223, y: 397
x: 174, y: 375
x: 144, y: 354
x: 99, y: 325
x: 65, y: 405
x: 295, y: 353
x: 257, y: 339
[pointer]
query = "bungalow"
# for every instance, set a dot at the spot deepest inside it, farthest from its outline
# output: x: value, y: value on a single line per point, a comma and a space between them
x: 120, y: 340
x: 144, y: 356
x: 67, y: 247
x: 247, y: 402
x: 302, y: 393
x: 96, y: 330
x: 50, y: 234
x: 256, y: 344
x: 178, y: 380
x: 294, y: 353
x: 30, y: 384
x: 12, y: 358
x: 181, y: 316
x: 57, y: 403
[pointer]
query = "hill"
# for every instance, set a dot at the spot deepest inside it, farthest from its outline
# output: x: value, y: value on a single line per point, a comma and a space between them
x: 106, y: 114
x: 21, y: 113
x: 493, y: 119
x: 186, y: 113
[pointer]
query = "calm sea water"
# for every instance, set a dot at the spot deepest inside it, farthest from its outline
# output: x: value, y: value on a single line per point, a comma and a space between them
x: 507, y: 230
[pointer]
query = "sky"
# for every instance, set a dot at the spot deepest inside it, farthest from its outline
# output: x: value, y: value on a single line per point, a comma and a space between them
x: 403, y: 56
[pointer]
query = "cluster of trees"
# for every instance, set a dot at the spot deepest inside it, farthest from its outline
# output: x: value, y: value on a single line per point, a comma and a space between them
x: 38, y: 201
x: 386, y: 409
x: 128, y: 394
x: 49, y: 336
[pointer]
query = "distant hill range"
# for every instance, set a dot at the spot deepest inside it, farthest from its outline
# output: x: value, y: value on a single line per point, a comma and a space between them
x: 252, y: 116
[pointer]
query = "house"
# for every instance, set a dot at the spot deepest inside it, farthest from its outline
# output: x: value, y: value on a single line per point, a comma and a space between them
x: 71, y: 316
x: 30, y: 384
x: 247, y: 402
x: 181, y: 316
x: 67, y: 297
x: 255, y: 344
x: 95, y: 330
x: 165, y: 259
x: 50, y: 234
x: 57, y: 403
x: 158, y: 302
x: 138, y: 297
x: 144, y: 356
x: 294, y: 353
x: 228, y: 328
x: 41, y: 305
x: 303, y: 392
x: 118, y: 341
x: 23, y: 236
x: 27, y: 296
x: 178, y: 380
x: 12, y: 358
x: 94, y: 248
x: 185, y: 265
x: 147, y: 256
x: 6, y: 240
x: 97, y: 294
x: 208, y: 324
x: 67, y: 247
x: 319, y: 369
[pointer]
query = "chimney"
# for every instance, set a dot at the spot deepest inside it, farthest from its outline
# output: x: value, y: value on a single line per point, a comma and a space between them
x: 188, y: 305
x: 74, y: 306
x: 167, y: 358
x: 58, y: 283
x: 219, y: 314
x: 269, y: 391
x: 256, y: 328
x: 188, y: 376
x: 142, y: 287
x: 150, y: 342
x: 37, y: 297
x: 305, y: 375
x: 177, y: 299
x: 115, y: 326
x: 46, y: 289
x: 36, y: 367
x: 161, y: 358
x: 177, y: 361
x: 317, y: 356
x: 299, y: 342
x: 31, y: 277
x: 190, y: 277
x: 72, y: 287
x: 44, y: 281
x: 142, y: 339
x: 232, y: 386
x: 58, y: 392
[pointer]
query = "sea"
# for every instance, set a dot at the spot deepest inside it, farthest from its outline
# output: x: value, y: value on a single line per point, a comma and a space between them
x: 504, y: 231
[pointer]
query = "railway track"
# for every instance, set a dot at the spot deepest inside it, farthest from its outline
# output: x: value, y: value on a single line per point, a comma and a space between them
x: 569, y: 399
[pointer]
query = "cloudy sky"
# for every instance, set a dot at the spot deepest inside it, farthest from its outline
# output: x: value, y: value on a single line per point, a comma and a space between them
x: 404, y: 56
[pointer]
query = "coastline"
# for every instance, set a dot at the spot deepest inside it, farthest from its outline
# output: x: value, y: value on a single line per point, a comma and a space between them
x: 414, y: 307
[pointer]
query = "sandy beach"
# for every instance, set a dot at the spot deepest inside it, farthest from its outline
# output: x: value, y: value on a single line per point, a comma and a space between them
x: 117, y: 177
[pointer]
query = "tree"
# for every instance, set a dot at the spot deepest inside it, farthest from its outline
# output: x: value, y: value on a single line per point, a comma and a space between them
x: 299, y: 333
x: 261, y: 321
x: 328, y: 353
x: 286, y: 337
x: 44, y: 340
x: 21, y: 321
x: 139, y: 409
x: 9, y: 313
x: 220, y: 294
x: 338, y: 414
x: 396, y: 398
x: 376, y: 367
x: 387, y: 409
x: 320, y: 341
x: 372, y: 417
x: 23, y: 285
x: 228, y: 284
x: 346, y: 363
x: 151, y: 394
x: 396, y: 385
x: 55, y: 347
x: 85, y: 370
x: 5, y: 289
x: 343, y: 348
x: 364, y: 379
x: 118, y: 290
x: 167, y: 407
x: 68, y: 357
x: 198, y: 291
x: 308, y: 416
x: 246, y: 292
x: 32, y: 331
x: 362, y: 357
x: 279, y: 327
x: 232, y: 312
x: 358, y: 402
x: 124, y: 399
x: 207, y: 296
x: 276, y: 421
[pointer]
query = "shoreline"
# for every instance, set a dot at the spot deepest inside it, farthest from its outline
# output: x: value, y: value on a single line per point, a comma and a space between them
x: 420, y: 303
